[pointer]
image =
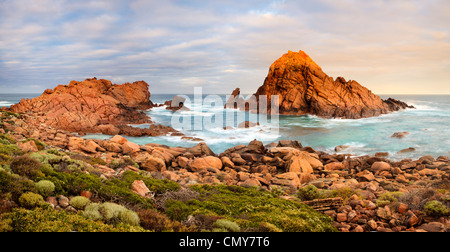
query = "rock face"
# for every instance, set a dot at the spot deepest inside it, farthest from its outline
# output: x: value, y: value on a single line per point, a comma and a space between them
x: 303, y: 88
x: 91, y: 106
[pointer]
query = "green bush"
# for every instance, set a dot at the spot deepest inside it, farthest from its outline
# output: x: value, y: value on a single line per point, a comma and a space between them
x: 31, y: 200
x: 388, y: 198
x: 223, y: 224
x: 26, y: 166
x: 14, y: 185
x: 92, y: 212
x: 436, y: 208
x: 345, y: 193
x: 68, y: 183
x: 49, y: 220
x: 111, y: 213
x: 45, y: 187
x: 7, y: 139
x: 79, y: 202
x: 158, y: 222
x: 308, y: 192
x: 268, y: 227
x: 249, y: 207
x: 9, y: 149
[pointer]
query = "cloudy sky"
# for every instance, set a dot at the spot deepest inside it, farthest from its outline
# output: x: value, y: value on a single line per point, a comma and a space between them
x: 391, y: 47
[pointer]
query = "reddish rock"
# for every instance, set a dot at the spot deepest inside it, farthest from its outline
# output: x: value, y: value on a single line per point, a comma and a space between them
x: 202, y: 163
x: 341, y: 217
x: 86, y: 194
x: 303, y: 88
x: 381, y: 166
x: 400, y: 134
x: 29, y: 146
x: 139, y: 187
x: 92, y: 106
x: 334, y: 166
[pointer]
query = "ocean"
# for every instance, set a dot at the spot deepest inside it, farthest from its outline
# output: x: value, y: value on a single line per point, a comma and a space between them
x: 427, y: 125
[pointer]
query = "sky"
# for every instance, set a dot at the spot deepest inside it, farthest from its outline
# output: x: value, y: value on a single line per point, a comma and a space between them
x: 391, y: 47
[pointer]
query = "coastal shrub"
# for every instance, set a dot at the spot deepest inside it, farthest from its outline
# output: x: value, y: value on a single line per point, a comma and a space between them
x: 7, y: 139
x: 79, y: 202
x: 26, y: 166
x: 345, y: 193
x: 31, y: 200
x: 249, y: 207
x: 177, y: 210
x: 112, y: 213
x: 45, y: 158
x: 14, y: 185
x: 268, y: 227
x: 308, y: 192
x: 436, y: 208
x: 114, y: 189
x: 226, y: 225
x: 5, y: 159
x: 45, y: 187
x: 124, y: 162
x: 277, y: 191
x: 155, y: 185
x: 416, y: 199
x: 49, y: 220
x: 9, y: 149
x: 183, y: 195
x: 8, y: 114
x: 388, y: 198
x: 87, y: 159
x: 60, y: 161
x: 158, y: 222
x: 92, y: 212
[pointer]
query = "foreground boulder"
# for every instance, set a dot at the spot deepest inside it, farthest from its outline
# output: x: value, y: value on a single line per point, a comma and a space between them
x: 303, y: 88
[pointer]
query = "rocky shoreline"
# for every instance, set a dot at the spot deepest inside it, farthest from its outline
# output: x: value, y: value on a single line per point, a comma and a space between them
x: 360, y: 194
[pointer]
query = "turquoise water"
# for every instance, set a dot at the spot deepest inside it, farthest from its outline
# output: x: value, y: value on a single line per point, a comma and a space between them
x: 428, y: 126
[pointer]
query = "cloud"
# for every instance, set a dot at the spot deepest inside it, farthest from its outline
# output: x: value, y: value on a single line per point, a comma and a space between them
x: 220, y: 45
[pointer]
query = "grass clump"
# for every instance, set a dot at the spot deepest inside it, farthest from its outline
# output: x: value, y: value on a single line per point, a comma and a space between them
x: 31, y: 200
x: 111, y: 213
x: 12, y: 186
x: 158, y: 222
x: 388, y: 198
x: 436, y: 208
x: 224, y: 225
x: 7, y: 139
x: 26, y: 166
x: 79, y: 202
x: 49, y: 220
x: 9, y: 149
x: 308, y: 192
x: 45, y: 187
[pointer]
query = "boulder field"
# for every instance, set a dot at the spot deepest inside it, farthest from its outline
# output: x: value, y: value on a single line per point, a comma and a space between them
x: 360, y: 193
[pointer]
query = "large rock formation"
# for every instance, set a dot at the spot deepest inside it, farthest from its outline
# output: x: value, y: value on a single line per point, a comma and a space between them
x: 92, y: 106
x: 303, y: 88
